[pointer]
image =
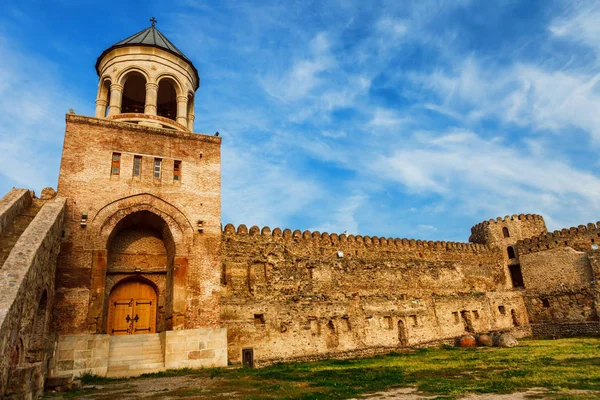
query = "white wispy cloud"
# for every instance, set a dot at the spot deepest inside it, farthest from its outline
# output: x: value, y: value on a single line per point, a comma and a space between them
x: 33, y: 104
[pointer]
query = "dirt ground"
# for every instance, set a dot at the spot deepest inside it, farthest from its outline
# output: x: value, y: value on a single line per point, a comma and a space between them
x: 190, y: 387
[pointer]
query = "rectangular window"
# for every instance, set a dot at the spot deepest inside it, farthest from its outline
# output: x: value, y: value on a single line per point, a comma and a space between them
x: 177, y: 170
x: 415, y: 321
x: 115, y: 168
x: 387, y: 322
x: 157, y: 162
x: 137, y: 165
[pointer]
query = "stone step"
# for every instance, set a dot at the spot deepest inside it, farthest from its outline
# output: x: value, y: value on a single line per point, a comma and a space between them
x: 141, y: 337
x: 121, y: 372
x: 120, y: 345
x: 134, y: 350
x: 131, y: 355
x: 135, y: 358
x: 134, y: 363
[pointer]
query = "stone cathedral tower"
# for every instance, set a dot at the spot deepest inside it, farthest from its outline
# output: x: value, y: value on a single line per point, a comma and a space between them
x: 141, y: 248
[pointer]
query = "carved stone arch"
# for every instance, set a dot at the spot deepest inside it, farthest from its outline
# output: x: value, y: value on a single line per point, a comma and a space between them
x: 104, y: 86
x: 121, y: 77
x: 178, y: 86
x: 109, y: 216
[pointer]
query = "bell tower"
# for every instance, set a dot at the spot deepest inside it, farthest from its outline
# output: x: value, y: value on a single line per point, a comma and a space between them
x: 140, y: 252
x: 146, y: 80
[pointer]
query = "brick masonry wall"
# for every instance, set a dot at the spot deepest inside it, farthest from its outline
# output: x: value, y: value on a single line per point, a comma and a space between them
x: 86, y: 181
x: 26, y: 298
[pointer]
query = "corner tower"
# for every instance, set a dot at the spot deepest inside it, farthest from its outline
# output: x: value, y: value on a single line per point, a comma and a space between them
x: 146, y: 79
x: 140, y: 253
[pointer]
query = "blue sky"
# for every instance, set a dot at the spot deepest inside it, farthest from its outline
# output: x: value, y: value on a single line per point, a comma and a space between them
x: 387, y: 118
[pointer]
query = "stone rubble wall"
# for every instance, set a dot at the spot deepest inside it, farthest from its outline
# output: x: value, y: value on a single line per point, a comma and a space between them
x: 301, y: 294
x: 565, y: 329
x: 581, y: 237
x: 26, y: 296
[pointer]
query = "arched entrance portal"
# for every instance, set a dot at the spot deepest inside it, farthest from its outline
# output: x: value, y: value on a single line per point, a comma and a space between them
x: 132, y: 308
x: 140, y: 259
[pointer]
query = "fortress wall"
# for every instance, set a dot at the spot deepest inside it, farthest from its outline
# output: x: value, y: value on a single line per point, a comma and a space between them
x: 579, y: 238
x: 290, y: 294
x: 26, y: 298
x: 560, y: 273
x: 12, y: 204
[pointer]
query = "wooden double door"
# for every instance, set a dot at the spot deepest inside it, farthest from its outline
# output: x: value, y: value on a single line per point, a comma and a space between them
x: 132, y: 309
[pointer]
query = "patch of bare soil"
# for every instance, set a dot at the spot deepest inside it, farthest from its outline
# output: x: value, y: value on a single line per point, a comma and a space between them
x: 413, y: 394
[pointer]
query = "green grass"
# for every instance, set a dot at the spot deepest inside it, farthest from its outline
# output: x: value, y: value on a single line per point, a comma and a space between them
x: 567, y: 368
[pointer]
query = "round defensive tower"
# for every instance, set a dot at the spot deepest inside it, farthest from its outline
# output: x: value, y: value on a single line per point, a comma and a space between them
x: 508, y: 230
x: 145, y: 79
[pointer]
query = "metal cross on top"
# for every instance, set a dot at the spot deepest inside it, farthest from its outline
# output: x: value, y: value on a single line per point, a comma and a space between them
x: 153, y: 20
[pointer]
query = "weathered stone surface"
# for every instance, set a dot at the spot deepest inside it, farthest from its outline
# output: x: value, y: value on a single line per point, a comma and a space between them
x: 484, y: 340
x: 507, y: 340
x: 465, y: 341
x: 26, y: 298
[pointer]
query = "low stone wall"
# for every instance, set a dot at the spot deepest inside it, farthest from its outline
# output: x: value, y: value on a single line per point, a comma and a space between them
x: 78, y: 354
x: 190, y: 348
x: 556, y: 330
x: 26, y: 297
x: 195, y: 348
x: 12, y: 204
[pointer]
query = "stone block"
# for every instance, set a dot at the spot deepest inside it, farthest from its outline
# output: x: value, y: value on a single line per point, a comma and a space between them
x: 201, y: 354
x: 66, y: 355
x: 66, y: 365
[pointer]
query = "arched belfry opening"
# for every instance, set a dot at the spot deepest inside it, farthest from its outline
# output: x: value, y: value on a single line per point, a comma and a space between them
x: 166, y: 102
x: 134, y: 93
x: 139, y: 278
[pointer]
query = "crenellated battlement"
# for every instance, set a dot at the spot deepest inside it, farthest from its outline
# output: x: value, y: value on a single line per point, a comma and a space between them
x: 507, y: 230
x: 559, y: 238
x: 325, y: 239
x: 506, y: 218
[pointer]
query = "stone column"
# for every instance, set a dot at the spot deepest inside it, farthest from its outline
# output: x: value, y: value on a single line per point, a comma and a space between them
x: 151, y: 96
x: 101, y: 108
x: 182, y: 110
x: 190, y: 122
x: 116, y: 97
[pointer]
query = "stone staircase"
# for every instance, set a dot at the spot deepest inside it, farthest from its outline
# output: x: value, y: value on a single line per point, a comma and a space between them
x: 10, y: 236
x: 131, y: 355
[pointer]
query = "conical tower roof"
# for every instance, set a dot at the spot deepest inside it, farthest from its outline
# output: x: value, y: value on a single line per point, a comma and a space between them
x: 150, y: 37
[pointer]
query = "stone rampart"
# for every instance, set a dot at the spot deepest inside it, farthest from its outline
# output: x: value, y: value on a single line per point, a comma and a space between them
x: 12, y: 204
x: 26, y: 296
x: 565, y: 329
x: 290, y: 294
x: 581, y: 237
x: 335, y: 241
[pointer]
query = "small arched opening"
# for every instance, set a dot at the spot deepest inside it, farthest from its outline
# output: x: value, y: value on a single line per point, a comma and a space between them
x: 16, y: 354
x: 505, y: 232
x: 134, y: 93
x: 190, y: 105
x: 166, y: 102
x: 402, y: 334
x: 105, y: 95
